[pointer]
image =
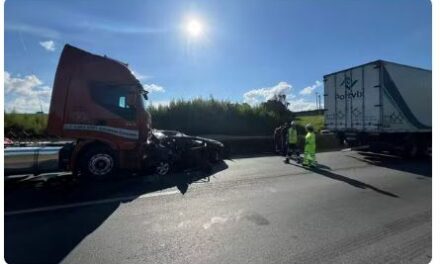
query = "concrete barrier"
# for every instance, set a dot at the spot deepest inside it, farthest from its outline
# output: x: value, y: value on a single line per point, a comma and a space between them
x: 258, y: 145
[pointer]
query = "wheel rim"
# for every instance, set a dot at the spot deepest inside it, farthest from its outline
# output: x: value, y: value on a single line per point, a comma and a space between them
x: 101, y: 164
x: 162, y: 168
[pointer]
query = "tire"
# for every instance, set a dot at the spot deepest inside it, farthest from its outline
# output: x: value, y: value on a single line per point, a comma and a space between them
x: 162, y: 168
x: 411, y: 150
x: 99, y: 163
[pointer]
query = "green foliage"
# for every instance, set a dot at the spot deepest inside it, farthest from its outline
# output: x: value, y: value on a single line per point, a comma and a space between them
x: 317, y: 121
x: 201, y: 116
x: 25, y: 125
x: 197, y: 116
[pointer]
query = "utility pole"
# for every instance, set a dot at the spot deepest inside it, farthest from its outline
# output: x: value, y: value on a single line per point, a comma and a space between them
x: 319, y: 101
x: 316, y: 100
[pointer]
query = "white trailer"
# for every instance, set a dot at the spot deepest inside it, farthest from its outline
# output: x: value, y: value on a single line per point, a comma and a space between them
x: 382, y: 104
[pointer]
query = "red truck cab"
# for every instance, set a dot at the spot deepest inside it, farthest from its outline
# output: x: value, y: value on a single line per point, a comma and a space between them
x: 98, y: 102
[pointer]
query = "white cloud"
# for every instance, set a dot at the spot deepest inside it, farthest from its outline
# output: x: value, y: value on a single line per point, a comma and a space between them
x: 26, y: 94
x: 27, y: 105
x: 290, y: 96
x: 154, y: 88
x: 33, y: 30
x: 263, y: 94
x: 21, y: 85
x: 139, y: 76
x: 112, y: 27
x: 157, y: 103
x: 309, y: 89
x: 301, y: 105
x: 48, y: 45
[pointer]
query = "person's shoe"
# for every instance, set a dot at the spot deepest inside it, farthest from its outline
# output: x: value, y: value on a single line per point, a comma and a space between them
x: 286, y: 160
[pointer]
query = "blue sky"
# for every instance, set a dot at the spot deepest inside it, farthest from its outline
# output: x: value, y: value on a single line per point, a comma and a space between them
x: 247, y: 51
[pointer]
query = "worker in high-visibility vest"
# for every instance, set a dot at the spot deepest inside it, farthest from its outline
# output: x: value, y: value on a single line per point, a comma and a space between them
x: 309, y: 147
x: 292, y: 142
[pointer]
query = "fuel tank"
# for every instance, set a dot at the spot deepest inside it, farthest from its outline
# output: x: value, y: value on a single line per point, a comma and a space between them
x: 32, y: 160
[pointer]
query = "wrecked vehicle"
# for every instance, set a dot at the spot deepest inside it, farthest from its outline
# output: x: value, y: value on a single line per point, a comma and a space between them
x: 190, y: 151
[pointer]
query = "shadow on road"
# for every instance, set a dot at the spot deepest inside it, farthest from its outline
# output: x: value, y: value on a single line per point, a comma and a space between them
x: 50, y: 235
x: 325, y: 171
x: 421, y: 166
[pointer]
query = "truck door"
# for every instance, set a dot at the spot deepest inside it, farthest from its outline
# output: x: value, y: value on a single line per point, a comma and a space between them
x: 329, y: 102
x: 355, y: 98
x: 372, y: 105
x: 334, y: 101
x: 341, y: 106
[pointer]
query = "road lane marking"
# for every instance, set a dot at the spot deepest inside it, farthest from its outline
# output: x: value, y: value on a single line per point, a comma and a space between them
x: 155, y: 194
x: 224, y: 184
x: 88, y: 203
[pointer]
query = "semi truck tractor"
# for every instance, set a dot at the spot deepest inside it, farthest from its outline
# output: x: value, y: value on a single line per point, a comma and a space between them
x: 381, y: 104
x: 98, y: 105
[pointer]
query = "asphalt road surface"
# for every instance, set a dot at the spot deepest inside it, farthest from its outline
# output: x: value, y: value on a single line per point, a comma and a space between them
x: 354, y: 208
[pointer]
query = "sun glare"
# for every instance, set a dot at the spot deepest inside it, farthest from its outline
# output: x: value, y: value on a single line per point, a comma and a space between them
x: 194, y: 28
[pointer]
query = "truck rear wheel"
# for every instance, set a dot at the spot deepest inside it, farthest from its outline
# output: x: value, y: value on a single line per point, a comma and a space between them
x: 411, y: 150
x: 99, y: 163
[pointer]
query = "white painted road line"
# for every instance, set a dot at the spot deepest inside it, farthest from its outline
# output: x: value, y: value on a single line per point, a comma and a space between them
x: 88, y: 203
x: 155, y: 194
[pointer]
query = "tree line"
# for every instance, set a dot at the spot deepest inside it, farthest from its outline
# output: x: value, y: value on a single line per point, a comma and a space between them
x: 197, y: 116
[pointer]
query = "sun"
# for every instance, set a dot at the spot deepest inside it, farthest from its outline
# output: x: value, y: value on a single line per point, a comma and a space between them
x: 194, y: 28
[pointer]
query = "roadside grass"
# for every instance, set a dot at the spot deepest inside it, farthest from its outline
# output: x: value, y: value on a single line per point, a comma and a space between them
x: 317, y: 121
x: 19, y: 125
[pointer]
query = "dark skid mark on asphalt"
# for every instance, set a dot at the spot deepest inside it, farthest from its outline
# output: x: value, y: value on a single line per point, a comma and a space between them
x: 256, y: 219
x: 422, y: 167
x: 348, y: 180
x: 60, y: 190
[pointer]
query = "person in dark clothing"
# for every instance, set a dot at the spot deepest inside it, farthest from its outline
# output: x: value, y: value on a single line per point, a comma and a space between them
x: 284, y: 130
x: 292, y: 143
x: 277, y: 139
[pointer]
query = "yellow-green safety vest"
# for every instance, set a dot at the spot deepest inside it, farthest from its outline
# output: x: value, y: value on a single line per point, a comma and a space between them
x: 310, y: 143
x: 293, y: 137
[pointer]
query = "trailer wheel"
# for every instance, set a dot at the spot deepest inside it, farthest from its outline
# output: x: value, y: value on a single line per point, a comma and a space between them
x: 413, y: 150
x: 99, y: 163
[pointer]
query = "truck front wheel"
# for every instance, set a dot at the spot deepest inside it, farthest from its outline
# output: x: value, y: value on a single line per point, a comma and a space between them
x: 99, y: 163
x: 163, y: 168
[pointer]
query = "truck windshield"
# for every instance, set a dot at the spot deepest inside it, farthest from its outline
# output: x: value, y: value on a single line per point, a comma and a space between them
x: 113, y: 98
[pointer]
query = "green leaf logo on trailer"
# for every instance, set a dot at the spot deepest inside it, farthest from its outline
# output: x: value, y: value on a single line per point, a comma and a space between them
x: 348, y: 83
